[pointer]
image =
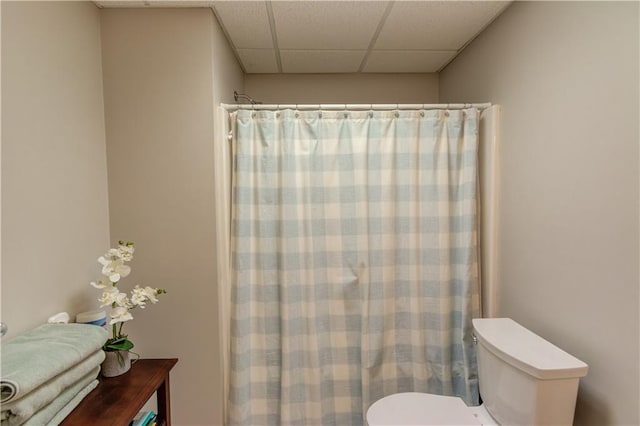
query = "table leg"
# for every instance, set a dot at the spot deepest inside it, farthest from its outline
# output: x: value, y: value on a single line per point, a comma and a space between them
x: 164, y: 405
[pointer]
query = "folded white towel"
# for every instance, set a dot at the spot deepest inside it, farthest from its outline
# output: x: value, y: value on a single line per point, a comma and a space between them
x: 38, y: 355
x: 49, y: 412
x: 19, y: 410
x: 67, y: 409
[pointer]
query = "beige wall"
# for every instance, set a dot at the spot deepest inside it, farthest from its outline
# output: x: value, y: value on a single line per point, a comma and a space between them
x: 163, y: 72
x: 342, y: 88
x: 566, y: 75
x: 569, y: 212
x: 54, y: 177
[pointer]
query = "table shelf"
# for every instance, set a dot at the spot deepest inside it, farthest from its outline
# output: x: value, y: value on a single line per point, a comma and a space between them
x: 117, y: 400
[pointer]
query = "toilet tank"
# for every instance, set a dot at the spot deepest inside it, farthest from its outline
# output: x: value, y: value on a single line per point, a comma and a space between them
x: 525, y: 380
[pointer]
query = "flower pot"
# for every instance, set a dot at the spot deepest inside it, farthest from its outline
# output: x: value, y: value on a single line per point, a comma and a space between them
x: 116, y: 363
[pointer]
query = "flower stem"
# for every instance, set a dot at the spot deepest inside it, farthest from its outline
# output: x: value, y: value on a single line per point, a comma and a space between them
x: 113, y: 327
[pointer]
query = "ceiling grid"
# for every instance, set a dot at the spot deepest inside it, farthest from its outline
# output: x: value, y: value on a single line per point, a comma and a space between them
x: 347, y: 36
x: 374, y: 39
x: 274, y: 36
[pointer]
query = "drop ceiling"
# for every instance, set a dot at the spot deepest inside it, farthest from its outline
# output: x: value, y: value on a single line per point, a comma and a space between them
x: 349, y: 36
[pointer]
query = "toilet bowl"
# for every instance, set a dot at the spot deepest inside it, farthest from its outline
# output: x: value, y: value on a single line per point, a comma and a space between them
x: 415, y: 408
x: 524, y: 380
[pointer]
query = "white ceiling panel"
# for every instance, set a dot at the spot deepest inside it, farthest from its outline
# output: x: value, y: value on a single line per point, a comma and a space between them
x: 151, y: 3
x: 246, y: 23
x: 326, y: 24
x: 258, y: 61
x: 321, y: 61
x: 333, y: 36
x: 408, y: 60
x: 438, y: 25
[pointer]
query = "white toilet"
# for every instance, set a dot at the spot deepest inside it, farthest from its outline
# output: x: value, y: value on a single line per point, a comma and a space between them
x: 524, y: 380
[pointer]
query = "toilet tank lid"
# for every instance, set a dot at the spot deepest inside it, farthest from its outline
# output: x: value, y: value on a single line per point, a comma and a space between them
x: 527, y: 351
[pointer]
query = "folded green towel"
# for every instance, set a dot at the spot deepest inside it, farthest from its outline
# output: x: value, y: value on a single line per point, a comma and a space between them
x: 71, y: 405
x: 36, y: 356
x: 19, y: 410
x: 63, y: 401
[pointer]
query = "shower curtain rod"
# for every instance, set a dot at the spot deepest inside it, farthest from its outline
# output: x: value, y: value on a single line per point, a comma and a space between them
x: 363, y: 107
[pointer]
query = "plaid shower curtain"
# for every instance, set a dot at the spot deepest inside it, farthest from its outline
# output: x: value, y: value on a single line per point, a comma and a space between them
x: 354, y: 252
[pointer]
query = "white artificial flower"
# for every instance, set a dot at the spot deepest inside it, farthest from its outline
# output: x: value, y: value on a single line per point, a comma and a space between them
x: 125, y: 252
x: 108, y: 257
x: 120, y: 314
x: 102, y: 283
x: 151, y: 294
x: 112, y: 295
x: 138, y: 297
x: 114, y: 269
x: 108, y: 296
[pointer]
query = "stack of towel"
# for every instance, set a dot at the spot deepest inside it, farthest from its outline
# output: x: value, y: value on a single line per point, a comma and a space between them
x: 47, y: 371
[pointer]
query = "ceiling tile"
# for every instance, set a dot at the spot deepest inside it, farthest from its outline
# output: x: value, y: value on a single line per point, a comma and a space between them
x: 258, y: 61
x: 407, y: 60
x: 151, y: 3
x: 326, y: 24
x: 316, y: 36
x: 246, y: 22
x: 321, y: 61
x: 437, y: 25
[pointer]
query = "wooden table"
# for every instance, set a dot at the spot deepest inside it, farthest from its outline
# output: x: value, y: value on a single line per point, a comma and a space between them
x: 117, y: 400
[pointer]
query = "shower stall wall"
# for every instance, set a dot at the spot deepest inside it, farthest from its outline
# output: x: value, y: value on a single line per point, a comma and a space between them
x: 488, y: 157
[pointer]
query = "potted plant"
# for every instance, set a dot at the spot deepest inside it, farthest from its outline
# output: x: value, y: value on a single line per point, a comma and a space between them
x: 114, y: 268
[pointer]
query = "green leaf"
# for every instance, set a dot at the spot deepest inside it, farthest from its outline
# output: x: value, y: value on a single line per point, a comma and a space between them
x: 118, y: 345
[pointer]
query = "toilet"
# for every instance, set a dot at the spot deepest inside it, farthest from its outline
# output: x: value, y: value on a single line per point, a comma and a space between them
x: 524, y: 380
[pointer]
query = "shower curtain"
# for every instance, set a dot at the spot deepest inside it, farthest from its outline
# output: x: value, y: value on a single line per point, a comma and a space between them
x: 353, y: 270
